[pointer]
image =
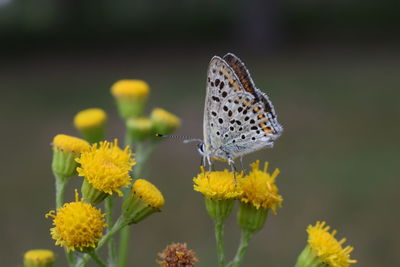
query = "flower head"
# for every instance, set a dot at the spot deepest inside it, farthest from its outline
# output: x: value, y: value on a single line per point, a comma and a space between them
x: 91, y: 123
x: 177, y: 255
x: 217, y: 184
x: 39, y: 258
x: 148, y: 193
x: 144, y: 200
x: 68, y: 143
x: 164, y: 122
x: 259, y: 188
x: 90, y: 118
x: 130, y: 89
x: 77, y: 225
x: 327, y: 248
x: 106, y: 167
x: 65, y: 149
x: 131, y: 97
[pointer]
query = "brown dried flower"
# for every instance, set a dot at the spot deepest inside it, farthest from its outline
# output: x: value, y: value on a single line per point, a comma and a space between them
x: 177, y: 255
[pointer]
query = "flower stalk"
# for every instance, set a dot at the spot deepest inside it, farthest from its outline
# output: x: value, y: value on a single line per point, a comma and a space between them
x: 242, y: 249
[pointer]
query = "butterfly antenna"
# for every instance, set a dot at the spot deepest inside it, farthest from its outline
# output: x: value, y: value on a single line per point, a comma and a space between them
x: 186, y: 139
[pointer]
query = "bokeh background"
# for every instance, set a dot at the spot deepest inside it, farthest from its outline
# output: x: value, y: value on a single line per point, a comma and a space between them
x: 332, y: 70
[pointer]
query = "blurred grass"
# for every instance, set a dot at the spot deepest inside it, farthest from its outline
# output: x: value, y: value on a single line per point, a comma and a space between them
x: 338, y: 154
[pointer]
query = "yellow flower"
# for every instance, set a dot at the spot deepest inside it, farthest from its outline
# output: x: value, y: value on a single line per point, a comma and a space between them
x: 217, y: 184
x: 130, y: 89
x: 39, y: 257
x: 65, y: 149
x: 148, y: 193
x: 106, y: 167
x: 328, y: 249
x: 90, y: 118
x: 131, y: 97
x: 144, y: 200
x: 259, y: 188
x: 163, y: 121
x: 78, y: 225
x: 68, y: 143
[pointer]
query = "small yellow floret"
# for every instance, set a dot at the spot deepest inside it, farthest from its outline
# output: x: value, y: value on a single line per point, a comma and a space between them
x: 39, y: 256
x: 218, y: 185
x: 327, y: 247
x: 70, y: 144
x: 106, y: 167
x: 159, y: 115
x: 90, y: 118
x: 259, y: 188
x: 130, y: 89
x: 148, y: 193
x: 78, y: 225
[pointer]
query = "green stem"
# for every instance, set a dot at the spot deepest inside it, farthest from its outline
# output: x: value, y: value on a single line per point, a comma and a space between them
x: 219, y: 237
x: 123, y: 246
x: 111, y: 244
x: 61, y: 182
x: 96, y: 258
x: 244, y: 243
x: 142, y: 153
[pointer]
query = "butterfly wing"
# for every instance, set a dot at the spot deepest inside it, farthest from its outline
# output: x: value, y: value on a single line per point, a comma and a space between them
x: 238, y: 118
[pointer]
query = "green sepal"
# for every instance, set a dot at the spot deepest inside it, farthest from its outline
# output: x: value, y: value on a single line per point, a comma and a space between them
x: 64, y: 164
x: 94, y: 134
x: 308, y: 258
x: 250, y: 218
x: 135, y: 210
x: 130, y: 107
x: 219, y: 210
x: 92, y: 195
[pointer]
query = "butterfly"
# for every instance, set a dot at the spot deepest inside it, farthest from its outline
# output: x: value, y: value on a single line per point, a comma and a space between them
x: 238, y: 117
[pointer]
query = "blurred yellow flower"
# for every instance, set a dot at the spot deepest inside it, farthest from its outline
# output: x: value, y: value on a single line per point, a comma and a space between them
x: 328, y: 249
x: 130, y: 89
x: 78, y: 225
x: 259, y: 188
x: 39, y: 257
x: 164, y: 122
x: 106, y: 167
x: 90, y: 118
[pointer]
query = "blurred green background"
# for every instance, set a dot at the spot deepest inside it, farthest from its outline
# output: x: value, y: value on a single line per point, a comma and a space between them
x: 332, y: 70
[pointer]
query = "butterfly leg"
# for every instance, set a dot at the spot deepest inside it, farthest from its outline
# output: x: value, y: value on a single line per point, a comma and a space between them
x: 210, y: 167
x: 233, y: 168
x: 241, y: 163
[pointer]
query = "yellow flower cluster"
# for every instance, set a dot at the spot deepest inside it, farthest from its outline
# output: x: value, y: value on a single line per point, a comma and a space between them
x: 78, y: 225
x: 328, y: 249
x: 257, y: 188
x: 106, y: 167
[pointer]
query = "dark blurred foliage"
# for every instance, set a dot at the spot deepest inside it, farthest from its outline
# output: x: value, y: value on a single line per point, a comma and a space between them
x: 25, y: 23
x: 331, y: 68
